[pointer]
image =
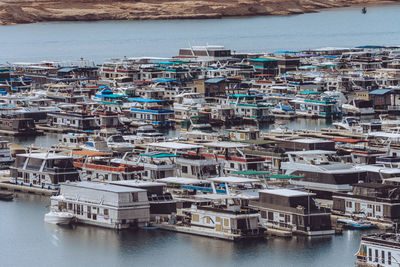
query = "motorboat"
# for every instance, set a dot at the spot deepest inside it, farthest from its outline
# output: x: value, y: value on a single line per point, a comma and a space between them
x: 58, y: 217
x: 356, y: 223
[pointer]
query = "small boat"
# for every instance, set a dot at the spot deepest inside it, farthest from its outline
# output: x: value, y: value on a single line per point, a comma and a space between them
x: 58, y: 217
x: 6, y: 196
x: 356, y: 223
x: 364, y: 10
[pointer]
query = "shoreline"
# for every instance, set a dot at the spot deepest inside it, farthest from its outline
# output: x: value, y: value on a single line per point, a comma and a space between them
x: 37, y: 12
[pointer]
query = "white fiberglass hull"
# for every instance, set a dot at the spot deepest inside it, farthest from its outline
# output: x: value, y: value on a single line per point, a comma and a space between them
x: 59, y: 218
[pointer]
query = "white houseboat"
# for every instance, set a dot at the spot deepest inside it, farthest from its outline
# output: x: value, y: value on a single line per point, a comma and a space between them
x: 104, y: 205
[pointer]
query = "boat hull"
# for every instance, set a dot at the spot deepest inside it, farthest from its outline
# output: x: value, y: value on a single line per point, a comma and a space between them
x: 58, y: 218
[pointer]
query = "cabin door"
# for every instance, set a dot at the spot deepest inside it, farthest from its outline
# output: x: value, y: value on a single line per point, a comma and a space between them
x: 357, y: 207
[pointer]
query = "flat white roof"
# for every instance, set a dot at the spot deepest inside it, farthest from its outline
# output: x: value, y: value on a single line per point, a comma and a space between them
x: 215, y: 196
x: 181, y: 180
x: 311, y: 152
x: 311, y: 140
x: 287, y: 192
x: 384, y: 134
x: 44, y: 156
x: 380, y: 169
x: 225, y: 144
x: 137, y: 183
x: 393, y: 179
x: 233, y: 180
x: 103, y: 187
x: 173, y: 145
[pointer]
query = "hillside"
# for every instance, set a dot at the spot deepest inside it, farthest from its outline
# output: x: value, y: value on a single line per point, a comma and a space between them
x: 28, y: 11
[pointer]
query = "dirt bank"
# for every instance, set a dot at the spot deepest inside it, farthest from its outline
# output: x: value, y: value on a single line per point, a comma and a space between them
x: 29, y: 11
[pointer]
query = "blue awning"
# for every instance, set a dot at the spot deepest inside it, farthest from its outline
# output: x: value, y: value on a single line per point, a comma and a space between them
x: 165, y: 80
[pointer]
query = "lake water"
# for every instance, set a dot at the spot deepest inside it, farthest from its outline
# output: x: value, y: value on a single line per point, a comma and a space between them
x: 101, y: 40
x: 25, y: 240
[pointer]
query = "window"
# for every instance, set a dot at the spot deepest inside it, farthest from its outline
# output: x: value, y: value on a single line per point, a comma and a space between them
x: 208, y: 219
x: 218, y: 219
x: 378, y: 208
x: 383, y: 256
x: 69, y: 206
x: 389, y: 258
x: 369, y: 206
x: 195, y: 217
x: 184, y: 169
x: 105, y: 212
x: 376, y: 255
x: 349, y: 204
x: 226, y: 222
x: 370, y: 254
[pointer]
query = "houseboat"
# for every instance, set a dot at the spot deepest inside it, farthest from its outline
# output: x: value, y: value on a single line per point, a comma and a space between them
x: 161, y: 202
x: 156, y: 165
x: 44, y: 170
x: 78, y: 121
x: 149, y: 111
x: 225, y: 219
x: 321, y: 172
x: 231, y: 155
x: 377, y: 202
x: 103, y: 205
x: 247, y: 107
x: 17, y: 125
x: 381, y: 249
x: 99, y: 167
x: 5, y: 154
x: 293, y: 211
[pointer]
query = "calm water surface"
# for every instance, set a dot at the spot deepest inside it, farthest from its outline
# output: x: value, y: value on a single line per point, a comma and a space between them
x: 25, y: 240
x: 101, y: 40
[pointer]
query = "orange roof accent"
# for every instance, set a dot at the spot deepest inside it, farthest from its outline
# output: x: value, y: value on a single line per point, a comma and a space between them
x: 90, y: 153
x: 347, y: 140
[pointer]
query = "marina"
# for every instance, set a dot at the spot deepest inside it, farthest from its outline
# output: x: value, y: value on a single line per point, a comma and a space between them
x: 232, y: 152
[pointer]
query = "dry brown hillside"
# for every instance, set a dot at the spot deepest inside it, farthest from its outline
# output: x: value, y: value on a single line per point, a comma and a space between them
x: 15, y: 11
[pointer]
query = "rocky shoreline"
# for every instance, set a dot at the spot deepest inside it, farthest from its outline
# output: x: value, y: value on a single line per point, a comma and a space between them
x: 30, y: 11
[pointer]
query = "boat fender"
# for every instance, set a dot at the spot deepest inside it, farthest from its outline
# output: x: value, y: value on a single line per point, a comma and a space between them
x: 30, y: 185
x: 22, y: 183
x: 48, y: 187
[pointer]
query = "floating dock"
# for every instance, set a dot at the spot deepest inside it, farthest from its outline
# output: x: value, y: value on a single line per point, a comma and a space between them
x: 5, y: 185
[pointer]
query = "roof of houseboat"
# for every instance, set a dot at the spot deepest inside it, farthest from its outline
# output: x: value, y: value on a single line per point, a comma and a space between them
x: 286, y: 192
x: 137, y: 183
x: 310, y: 152
x: 233, y: 180
x: 182, y: 180
x: 104, y: 187
x: 174, y: 145
x: 225, y: 145
x: 44, y: 156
